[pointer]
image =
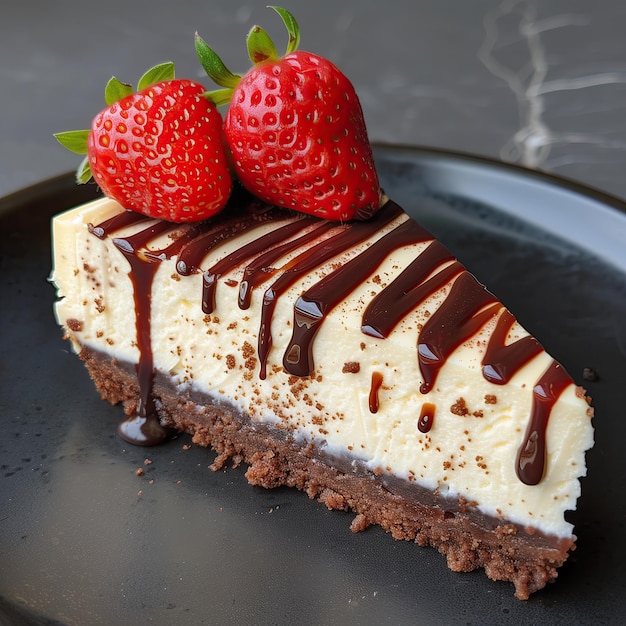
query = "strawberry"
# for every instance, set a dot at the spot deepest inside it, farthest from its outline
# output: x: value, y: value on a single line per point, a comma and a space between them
x: 295, y: 128
x: 160, y: 151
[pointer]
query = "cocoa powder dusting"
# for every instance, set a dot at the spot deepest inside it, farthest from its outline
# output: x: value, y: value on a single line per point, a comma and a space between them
x: 459, y: 408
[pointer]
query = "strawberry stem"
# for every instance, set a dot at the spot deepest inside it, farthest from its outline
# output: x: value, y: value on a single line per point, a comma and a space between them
x: 156, y: 74
x: 115, y: 90
x: 214, y: 66
x: 292, y: 28
x: 83, y: 173
x: 74, y: 140
x: 260, y: 46
x: 219, y: 97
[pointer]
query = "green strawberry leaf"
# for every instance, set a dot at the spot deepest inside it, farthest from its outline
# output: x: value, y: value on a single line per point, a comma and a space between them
x: 260, y: 46
x: 115, y: 90
x: 74, y: 140
x: 156, y: 74
x: 219, y: 97
x: 292, y: 28
x: 83, y: 173
x: 214, y: 66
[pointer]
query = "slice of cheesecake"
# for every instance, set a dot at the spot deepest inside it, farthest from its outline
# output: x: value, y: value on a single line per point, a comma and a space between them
x: 359, y: 362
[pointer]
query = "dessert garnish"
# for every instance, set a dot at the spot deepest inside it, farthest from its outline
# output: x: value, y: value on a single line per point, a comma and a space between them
x: 160, y: 150
x: 295, y: 128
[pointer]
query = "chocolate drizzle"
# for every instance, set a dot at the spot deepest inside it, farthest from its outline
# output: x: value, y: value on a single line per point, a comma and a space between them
x: 308, y: 244
x: 412, y: 287
x: 315, y: 304
x: 144, y: 427
x: 199, y: 247
x: 260, y: 269
x: 531, y: 457
x: 121, y: 220
x: 468, y: 307
x: 426, y: 418
x: 502, y: 361
x: 376, y: 384
x: 348, y: 236
x: 245, y: 253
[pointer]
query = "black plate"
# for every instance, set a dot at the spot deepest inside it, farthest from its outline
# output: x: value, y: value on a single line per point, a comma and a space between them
x: 84, y: 540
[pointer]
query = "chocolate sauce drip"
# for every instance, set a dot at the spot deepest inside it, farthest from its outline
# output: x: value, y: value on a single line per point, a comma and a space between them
x: 377, y: 382
x: 250, y: 250
x: 313, y: 306
x: 180, y: 238
x: 409, y: 289
x: 531, y: 456
x: 349, y: 235
x: 426, y: 418
x: 131, y: 245
x: 181, y: 233
x: 460, y: 316
x: 223, y: 230
x: 117, y: 222
x: 261, y: 268
x: 501, y: 362
x: 144, y: 428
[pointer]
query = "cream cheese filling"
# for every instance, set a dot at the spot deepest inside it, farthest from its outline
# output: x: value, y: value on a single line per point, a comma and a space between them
x: 478, y: 426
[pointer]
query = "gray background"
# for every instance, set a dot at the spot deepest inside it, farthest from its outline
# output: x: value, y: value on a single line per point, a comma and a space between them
x: 540, y: 83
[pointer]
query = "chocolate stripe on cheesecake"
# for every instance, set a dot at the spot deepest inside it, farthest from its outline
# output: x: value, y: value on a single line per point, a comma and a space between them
x: 414, y: 285
x: 464, y: 311
x: 351, y: 235
x: 261, y: 268
x: 143, y: 427
x: 313, y: 305
x: 251, y: 250
x: 502, y: 360
x: 198, y: 248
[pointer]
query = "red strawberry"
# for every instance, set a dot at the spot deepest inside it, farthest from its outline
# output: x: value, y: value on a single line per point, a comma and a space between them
x: 160, y: 151
x: 295, y: 129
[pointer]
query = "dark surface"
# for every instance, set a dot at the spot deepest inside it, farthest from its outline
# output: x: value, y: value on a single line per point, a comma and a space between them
x: 80, y: 545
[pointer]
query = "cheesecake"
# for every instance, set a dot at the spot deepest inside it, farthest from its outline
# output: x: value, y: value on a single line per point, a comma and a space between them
x: 359, y: 362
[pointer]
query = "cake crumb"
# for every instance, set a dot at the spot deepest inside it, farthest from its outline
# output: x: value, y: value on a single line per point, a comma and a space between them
x: 248, y: 350
x: 351, y: 367
x: 459, y: 408
x: 359, y: 523
x: 590, y: 374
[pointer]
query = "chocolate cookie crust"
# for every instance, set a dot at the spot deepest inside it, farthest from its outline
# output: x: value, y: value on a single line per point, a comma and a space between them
x: 469, y: 539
